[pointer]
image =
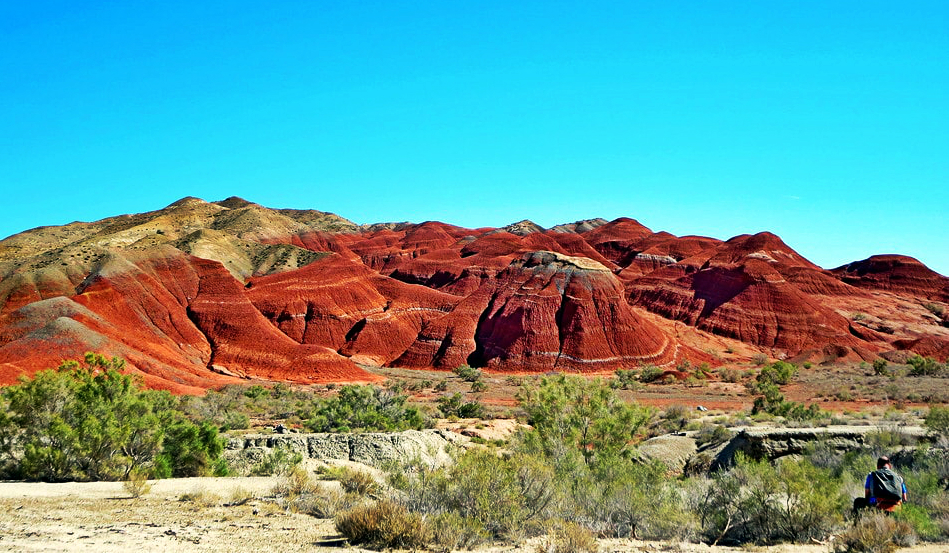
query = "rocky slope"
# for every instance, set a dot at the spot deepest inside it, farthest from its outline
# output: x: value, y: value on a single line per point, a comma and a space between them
x: 199, y: 294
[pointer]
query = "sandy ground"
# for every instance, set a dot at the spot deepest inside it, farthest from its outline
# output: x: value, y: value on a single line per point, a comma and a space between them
x: 100, y: 516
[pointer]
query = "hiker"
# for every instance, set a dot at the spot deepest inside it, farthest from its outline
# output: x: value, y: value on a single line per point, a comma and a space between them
x: 884, y: 489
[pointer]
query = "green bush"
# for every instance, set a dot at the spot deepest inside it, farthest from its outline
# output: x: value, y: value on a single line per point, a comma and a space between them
x: 760, y: 503
x: 937, y: 420
x: 89, y: 421
x: 650, y: 373
x: 280, y: 461
x: 880, y: 367
x: 323, y: 502
x: 779, y: 373
x: 468, y: 373
x: 572, y: 415
x: 920, y: 521
x: 926, y: 366
x: 674, y: 418
x: 626, y: 380
x: 624, y: 498
x: 384, y: 524
x: 770, y: 400
x: 367, y: 408
x: 500, y: 493
x: 711, y: 434
x: 191, y: 450
x: 454, y: 405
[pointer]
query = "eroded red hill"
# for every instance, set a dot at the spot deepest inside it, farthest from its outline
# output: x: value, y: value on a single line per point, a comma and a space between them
x: 201, y: 294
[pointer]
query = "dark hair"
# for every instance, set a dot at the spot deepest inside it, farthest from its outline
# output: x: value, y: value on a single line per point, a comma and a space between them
x: 883, y: 461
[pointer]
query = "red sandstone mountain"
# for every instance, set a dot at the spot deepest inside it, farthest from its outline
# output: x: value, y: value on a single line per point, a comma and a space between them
x: 200, y: 294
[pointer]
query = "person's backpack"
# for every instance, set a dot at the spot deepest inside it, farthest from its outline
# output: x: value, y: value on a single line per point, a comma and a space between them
x: 886, y: 485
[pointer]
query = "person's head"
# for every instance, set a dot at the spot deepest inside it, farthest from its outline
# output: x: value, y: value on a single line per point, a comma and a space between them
x: 883, y: 462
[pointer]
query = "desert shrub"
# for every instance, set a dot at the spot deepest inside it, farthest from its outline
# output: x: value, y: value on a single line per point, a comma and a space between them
x: 779, y: 373
x: 880, y: 367
x: 650, y: 373
x: 384, y: 524
x: 136, y: 483
x: 937, y: 420
x: 235, y: 421
x: 712, y: 434
x: 296, y: 481
x: 239, y: 496
x: 359, y: 482
x: 231, y: 406
x: 730, y: 375
x: 626, y: 380
x: 190, y: 449
x: 572, y: 415
x: 467, y: 373
x: 81, y: 421
x: 368, y: 408
x: 873, y: 533
x: 500, y: 493
x: 256, y: 392
x: 759, y: 503
x: 926, y: 366
x: 324, y: 502
x: 759, y: 359
x: 770, y: 400
x: 280, y: 461
x: 623, y: 498
x: 478, y: 386
x: 674, y: 418
x: 919, y: 519
x: 567, y: 537
x: 454, y: 405
x: 452, y: 531
x: 202, y: 497
x: 297, y: 492
x: 89, y: 421
x: 886, y: 439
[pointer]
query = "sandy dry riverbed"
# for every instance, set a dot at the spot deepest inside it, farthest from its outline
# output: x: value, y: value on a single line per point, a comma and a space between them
x: 100, y: 516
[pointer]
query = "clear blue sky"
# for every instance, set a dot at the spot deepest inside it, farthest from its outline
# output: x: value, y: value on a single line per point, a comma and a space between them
x: 824, y: 122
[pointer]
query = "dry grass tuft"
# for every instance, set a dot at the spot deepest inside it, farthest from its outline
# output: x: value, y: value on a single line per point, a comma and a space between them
x: 384, y: 524
x: 137, y: 484
x: 874, y: 533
